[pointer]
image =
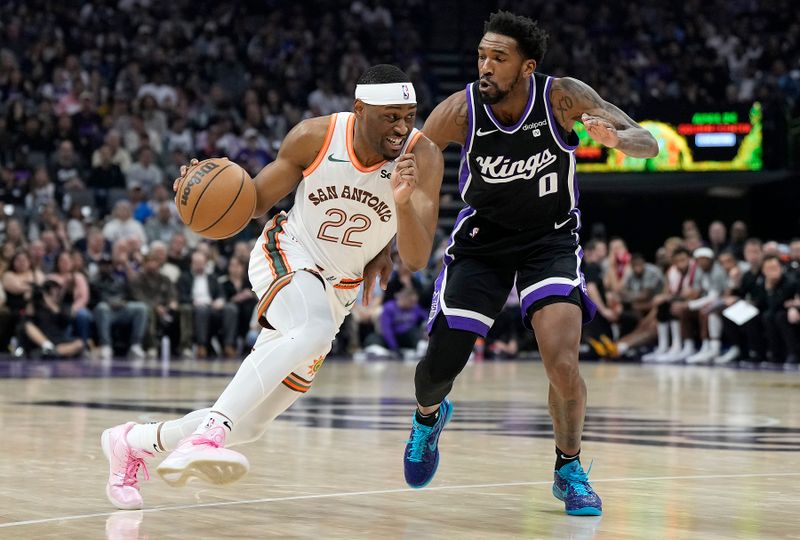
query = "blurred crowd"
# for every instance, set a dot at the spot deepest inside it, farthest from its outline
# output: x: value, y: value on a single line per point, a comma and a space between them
x: 692, y: 52
x: 714, y: 298
x: 100, y: 106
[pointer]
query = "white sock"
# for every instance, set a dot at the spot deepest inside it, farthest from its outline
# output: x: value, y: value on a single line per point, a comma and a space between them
x: 622, y: 347
x: 688, y: 345
x: 213, y: 419
x: 146, y: 437
x: 714, y: 347
x: 663, y: 336
x: 675, y: 330
x: 714, y: 326
x: 302, y: 315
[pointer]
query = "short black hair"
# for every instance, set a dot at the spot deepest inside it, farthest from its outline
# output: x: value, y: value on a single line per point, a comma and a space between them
x: 383, y: 74
x: 682, y: 249
x: 772, y: 257
x: 531, y: 40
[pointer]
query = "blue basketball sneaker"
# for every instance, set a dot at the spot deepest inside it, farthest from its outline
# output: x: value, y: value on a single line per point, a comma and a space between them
x: 422, y: 448
x: 571, y: 485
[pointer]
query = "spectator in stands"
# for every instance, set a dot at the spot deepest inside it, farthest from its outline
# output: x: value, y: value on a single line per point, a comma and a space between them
x: 19, y: 281
x: 177, y: 253
x: 239, y: 297
x: 152, y: 288
x: 717, y: 237
x: 116, y: 307
x: 198, y: 289
x: 47, y: 328
x: 674, y: 343
x: 97, y: 249
x: 42, y: 191
x: 122, y: 225
x: 14, y: 234
x: 105, y: 176
x: 637, y: 295
x: 52, y: 248
x: 598, y: 333
x: 163, y: 225
x: 158, y: 249
x: 253, y: 156
x: 711, y: 283
x: 794, y: 259
x: 738, y: 238
x: 74, y: 295
x: 119, y: 155
x: 144, y: 173
x: 67, y: 170
x: 772, y: 297
x: 748, y: 339
x: 401, y: 321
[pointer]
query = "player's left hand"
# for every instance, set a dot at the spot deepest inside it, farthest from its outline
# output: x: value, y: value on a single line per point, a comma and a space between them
x: 404, y: 178
x: 601, y: 130
x: 183, y: 171
x: 381, y: 266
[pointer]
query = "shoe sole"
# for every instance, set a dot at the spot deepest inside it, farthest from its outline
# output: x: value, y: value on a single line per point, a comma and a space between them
x: 215, y: 472
x: 436, y: 466
x: 585, y: 511
x: 104, y: 444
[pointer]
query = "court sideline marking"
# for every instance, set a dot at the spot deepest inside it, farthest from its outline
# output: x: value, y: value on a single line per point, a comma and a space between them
x: 383, y: 492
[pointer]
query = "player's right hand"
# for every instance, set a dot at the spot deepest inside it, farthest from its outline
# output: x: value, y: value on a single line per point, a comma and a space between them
x: 184, y: 168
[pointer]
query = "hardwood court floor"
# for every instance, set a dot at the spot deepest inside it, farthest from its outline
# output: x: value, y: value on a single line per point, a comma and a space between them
x: 679, y: 452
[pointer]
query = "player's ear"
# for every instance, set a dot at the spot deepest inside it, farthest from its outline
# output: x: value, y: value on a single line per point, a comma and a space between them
x: 528, y: 67
x: 359, y: 109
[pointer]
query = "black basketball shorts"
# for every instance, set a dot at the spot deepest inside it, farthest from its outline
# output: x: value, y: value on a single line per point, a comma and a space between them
x: 483, y: 261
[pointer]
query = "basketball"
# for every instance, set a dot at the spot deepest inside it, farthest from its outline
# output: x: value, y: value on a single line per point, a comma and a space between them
x: 216, y: 198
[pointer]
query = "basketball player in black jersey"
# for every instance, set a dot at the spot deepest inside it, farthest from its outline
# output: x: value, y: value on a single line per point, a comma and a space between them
x: 521, y: 221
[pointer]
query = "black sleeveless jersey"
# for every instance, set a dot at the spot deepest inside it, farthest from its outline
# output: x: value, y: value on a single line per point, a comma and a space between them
x: 522, y: 176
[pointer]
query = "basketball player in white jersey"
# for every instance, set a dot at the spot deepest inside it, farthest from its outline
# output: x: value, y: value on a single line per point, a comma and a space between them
x: 360, y: 179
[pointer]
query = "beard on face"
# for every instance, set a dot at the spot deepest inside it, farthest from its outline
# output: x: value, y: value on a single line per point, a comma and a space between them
x: 498, y: 95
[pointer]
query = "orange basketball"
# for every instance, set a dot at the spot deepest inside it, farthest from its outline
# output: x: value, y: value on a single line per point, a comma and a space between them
x: 216, y: 198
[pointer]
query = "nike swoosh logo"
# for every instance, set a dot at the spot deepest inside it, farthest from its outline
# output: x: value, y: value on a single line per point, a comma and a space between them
x: 568, y: 458
x: 348, y: 304
x: 227, y: 425
x: 331, y: 158
x: 559, y: 225
x: 480, y: 133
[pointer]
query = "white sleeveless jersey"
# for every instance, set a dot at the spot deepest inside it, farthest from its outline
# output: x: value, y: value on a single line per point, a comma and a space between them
x: 344, y: 213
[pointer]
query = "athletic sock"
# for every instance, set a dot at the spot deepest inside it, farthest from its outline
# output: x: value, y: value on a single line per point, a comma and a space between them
x: 146, y: 437
x: 563, y: 458
x: 427, y: 419
x: 213, y: 419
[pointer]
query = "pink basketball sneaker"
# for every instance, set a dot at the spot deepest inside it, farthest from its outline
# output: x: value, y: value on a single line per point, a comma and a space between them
x: 124, y: 462
x: 205, y: 457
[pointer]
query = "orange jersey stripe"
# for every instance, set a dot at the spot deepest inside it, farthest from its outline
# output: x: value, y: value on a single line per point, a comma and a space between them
x: 269, y: 296
x: 321, y: 154
x: 413, y: 141
x: 351, y: 122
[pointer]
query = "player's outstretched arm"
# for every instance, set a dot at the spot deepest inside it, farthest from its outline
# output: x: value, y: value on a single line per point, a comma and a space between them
x: 575, y: 101
x: 416, y: 181
x: 298, y: 150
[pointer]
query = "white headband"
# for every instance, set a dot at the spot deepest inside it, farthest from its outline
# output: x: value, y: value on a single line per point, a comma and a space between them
x: 387, y: 94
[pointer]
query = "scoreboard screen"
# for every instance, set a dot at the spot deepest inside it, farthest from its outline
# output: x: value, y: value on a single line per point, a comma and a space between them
x: 728, y: 139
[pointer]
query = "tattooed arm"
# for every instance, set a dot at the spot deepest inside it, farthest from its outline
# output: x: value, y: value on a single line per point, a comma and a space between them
x: 447, y: 123
x: 575, y: 101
